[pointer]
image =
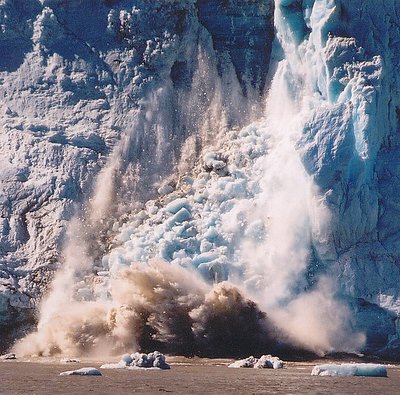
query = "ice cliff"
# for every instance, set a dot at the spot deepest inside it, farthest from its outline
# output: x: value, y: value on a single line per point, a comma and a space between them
x: 132, y: 130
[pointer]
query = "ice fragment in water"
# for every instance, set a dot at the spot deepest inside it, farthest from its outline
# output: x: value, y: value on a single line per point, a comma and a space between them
x: 82, y: 372
x: 350, y: 369
x: 265, y: 361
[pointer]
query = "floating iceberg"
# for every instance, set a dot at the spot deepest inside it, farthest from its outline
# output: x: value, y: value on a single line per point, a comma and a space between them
x: 138, y: 360
x: 265, y: 361
x: 82, y: 372
x: 7, y: 356
x: 350, y: 369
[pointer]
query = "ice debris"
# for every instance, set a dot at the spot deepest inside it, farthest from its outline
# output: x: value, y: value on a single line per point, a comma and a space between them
x: 350, y: 369
x: 82, y: 372
x: 214, y: 161
x: 7, y: 356
x: 138, y: 360
x: 70, y: 360
x: 265, y: 361
x: 195, y: 224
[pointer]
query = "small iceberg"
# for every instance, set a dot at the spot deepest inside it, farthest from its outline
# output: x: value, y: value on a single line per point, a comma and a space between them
x: 82, y: 372
x: 7, y: 357
x: 350, y: 369
x: 154, y: 360
x: 264, y: 362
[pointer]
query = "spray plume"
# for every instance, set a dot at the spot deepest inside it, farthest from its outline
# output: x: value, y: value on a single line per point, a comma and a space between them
x: 161, y: 306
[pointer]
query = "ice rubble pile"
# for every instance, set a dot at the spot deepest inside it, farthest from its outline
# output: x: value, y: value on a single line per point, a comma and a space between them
x: 154, y: 360
x: 194, y: 225
x: 265, y: 361
x: 350, y: 369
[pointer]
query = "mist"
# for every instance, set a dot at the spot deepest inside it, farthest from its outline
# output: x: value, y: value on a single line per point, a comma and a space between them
x: 159, y: 306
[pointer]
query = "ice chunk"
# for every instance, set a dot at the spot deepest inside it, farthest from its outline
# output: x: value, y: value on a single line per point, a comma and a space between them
x: 154, y: 360
x: 82, y: 372
x: 268, y: 361
x: 244, y: 363
x: 182, y: 215
x: 265, y: 361
x: 126, y: 359
x: 214, y: 161
x: 350, y: 369
x: 204, y: 258
x: 176, y: 205
x: 165, y: 189
x: 8, y: 356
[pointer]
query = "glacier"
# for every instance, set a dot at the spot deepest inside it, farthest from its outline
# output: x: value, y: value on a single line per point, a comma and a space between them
x: 251, y: 145
x: 350, y: 369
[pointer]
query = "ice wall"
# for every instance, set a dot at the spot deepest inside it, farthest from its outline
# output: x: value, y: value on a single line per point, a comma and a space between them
x: 121, y: 88
x: 350, y: 145
x: 92, y: 89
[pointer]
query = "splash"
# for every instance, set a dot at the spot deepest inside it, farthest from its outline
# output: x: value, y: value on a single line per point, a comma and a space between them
x: 291, y: 207
x: 161, y: 306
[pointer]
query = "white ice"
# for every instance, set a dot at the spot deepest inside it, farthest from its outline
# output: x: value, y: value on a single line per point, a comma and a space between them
x: 265, y: 361
x: 153, y: 360
x: 82, y: 372
x: 350, y: 369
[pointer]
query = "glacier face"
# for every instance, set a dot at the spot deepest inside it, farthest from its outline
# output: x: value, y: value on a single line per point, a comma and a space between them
x: 81, y: 84
x: 81, y: 81
x: 351, y: 146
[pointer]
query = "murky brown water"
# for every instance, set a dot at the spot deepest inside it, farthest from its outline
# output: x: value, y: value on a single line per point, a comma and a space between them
x: 197, y: 377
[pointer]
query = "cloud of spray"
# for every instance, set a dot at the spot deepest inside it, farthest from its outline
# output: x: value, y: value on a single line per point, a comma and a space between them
x: 290, y: 206
x: 318, y: 322
x: 159, y: 306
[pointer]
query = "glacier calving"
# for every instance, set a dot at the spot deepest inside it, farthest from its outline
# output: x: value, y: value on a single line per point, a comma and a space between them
x: 130, y: 125
x: 81, y: 81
